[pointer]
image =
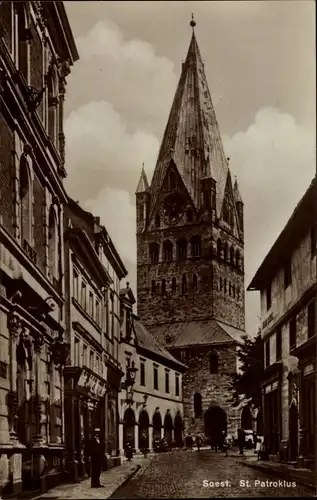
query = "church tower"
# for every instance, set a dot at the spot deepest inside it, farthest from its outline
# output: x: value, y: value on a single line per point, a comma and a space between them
x: 190, y: 273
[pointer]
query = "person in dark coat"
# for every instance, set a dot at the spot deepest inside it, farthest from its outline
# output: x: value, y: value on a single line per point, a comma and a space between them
x: 241, y: 440
x: 96, y: 456
x: 198, y: 442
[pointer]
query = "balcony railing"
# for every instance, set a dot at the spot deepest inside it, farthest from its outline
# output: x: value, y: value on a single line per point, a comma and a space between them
x: 31, y: 253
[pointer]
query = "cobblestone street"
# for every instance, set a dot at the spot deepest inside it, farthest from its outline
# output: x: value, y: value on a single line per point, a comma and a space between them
x: 182, y: 475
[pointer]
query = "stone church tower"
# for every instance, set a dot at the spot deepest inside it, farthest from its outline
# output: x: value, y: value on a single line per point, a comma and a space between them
x: 190, y: 278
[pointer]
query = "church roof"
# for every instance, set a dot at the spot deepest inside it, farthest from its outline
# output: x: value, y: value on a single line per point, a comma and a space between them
x: 143, y: 184
x: 205, y: 332
x: 147, y: 342
x: 192, y: 137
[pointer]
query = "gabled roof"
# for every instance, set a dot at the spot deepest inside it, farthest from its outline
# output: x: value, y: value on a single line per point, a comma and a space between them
x: 147, y: 342
x: 194, y: 333
x: 192, y: 137
x: 303, y: 217
x: 143, y: 184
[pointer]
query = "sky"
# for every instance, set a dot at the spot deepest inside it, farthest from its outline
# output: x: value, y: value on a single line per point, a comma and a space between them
x: 260, y: 65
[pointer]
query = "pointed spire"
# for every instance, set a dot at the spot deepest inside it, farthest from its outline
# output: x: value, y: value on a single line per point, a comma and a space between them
x: 193, y: 133
x: 193, y: 22
x: 143, y: 184
x: 236, y: 191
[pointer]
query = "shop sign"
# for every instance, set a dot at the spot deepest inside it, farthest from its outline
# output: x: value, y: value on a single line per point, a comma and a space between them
x: 93, y: 385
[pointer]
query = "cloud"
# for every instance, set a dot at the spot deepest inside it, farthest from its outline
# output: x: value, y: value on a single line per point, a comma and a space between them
x: 128, y: 73
x: 101, y: 152
x: 117, y: 213
x: 274, y: 159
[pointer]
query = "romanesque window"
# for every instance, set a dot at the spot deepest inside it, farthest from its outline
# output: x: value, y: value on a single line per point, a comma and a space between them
x: 153, y: 287
x: 181, y: 249
x: 167, y: 250
x: 25, y: 202
x: 174, y: 285
x: 225, y: 285
x: 233, y: 291
x: 238, y: 292
x: 184, y: 284
x: 225, y: 252
x: 157, y: 220
x: 220, y: 284
x: 154, y: 253
x: 23, y: 42
x: 197, y: 405
x: 195, y: 283
x: 189, y: 215
x: 232, y: 256
x: 213, y: 363
x: 219, y: 245
x: 196, y: 246
x: 52, y: 245
x: 172, y: 181
x: 163, y: 286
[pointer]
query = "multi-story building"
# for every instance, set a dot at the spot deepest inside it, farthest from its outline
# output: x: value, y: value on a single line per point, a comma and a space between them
x: 37, y: 50
x: 190, y: 240
x: 93, y: 270
x: 287, y: 282
x: 151, y: 400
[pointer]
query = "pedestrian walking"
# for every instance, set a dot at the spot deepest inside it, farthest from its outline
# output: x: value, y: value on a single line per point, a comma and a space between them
x: 198, y: 442
x: 259, y: 447
x: 128, y: 449
x: 96, y: 458
x: 241, y: 440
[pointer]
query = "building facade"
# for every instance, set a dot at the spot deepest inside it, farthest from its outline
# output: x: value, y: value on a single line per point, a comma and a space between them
x: 37, y: 50
x: 287, y: 282
x: 150, y: 408
x: 93, y: 271
x: 190, y: 253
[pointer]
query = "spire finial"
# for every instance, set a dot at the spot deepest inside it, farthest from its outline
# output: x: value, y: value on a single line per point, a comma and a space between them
x: 192, y: 22
x: 143, y: 165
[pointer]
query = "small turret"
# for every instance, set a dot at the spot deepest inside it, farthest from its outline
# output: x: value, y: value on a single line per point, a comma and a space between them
x: 142, y: 201
x: 239, y: 203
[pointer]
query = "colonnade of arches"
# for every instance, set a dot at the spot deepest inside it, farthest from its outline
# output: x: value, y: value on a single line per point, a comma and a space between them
x: 142, y: 432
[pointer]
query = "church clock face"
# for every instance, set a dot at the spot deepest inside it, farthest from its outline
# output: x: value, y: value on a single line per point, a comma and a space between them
x: 173, y: 208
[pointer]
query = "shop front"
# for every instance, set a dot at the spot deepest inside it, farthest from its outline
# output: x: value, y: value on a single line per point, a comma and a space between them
x: 85, y: 410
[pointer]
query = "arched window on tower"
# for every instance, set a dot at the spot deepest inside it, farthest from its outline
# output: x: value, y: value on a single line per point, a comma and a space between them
x: 225, y: 285
x: 219, y: 246
x: 225, y: 252
x: 213, y: 363
x: 163, y: 286
x: 232, y: 256
x: 195, y: 283
x: 157, y: 221
x: 197, y: 405
x: 167, y: 251
x: 184, y: 284
x: 52, y: 245
x: 181, y: 249
x: 174, y: 285
x: 153, y: 287
x: 25, y: 202
x: 189, y: 215
x: 220, y: 284
x: 172, y: 181
x: 238, y: 293
x: 196, y: 246
x: 233, y: 291
x: 154, y: 253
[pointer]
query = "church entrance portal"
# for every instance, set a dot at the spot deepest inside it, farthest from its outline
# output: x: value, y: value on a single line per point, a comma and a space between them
x: 215, y: 420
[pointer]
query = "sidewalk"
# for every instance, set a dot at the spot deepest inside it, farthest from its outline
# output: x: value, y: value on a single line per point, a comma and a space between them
x: 305, y: 477
x: 111, y: 479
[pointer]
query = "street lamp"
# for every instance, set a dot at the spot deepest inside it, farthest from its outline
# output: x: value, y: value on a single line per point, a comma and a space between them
x: 130, y: 376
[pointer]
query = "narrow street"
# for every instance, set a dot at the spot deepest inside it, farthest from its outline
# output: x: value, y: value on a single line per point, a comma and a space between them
x: 205, y: 474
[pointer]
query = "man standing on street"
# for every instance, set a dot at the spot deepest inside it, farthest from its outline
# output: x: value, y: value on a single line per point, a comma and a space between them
x: 96, y: 455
